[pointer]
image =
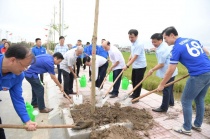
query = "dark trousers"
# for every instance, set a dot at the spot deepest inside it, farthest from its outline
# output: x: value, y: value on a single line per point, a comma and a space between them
x: 101, y: 74
x: 59, y: 74
x: 168, y: 97
x: 84, y: 66
x: 2, y: 134
x: 89, y: 73
x: 68, y: 79
x: 116, y: 86
x: 37, y: 92
x: 78, y: 63
x: 41, y: 77
x: 137, y: 76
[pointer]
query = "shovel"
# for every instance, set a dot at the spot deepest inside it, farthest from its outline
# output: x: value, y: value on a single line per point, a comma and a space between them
x: 78, y: 99
x: 103, y: 82
x: 68, y: 97
x: 78, y: 126
x: 104, y: 98
x: 130, y: 93
x: 155, y: 90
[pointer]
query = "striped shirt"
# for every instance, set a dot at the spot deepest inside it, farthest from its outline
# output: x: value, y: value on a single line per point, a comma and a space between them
x: 62, y: 49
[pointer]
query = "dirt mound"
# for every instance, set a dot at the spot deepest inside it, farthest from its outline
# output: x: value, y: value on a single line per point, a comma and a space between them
x: 207, y: 113
x: 141, y: 119
x: 115, y: 132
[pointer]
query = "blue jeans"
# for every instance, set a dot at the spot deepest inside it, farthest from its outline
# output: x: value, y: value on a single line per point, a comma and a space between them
x: 168, y: 97
x: 37, y: 92
x: 195, y: 89
x: 116, y: 86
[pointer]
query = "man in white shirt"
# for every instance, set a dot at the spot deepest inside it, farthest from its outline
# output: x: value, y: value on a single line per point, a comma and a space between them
x: 118, y: 63
x: 100, y: 68
x: 66, y: 65
x: 138, y: 61
x: 62, y: 48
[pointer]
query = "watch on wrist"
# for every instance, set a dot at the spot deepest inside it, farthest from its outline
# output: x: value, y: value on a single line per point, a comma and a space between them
x: 127, y: 66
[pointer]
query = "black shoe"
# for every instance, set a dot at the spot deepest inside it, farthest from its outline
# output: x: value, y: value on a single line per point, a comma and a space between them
x: 113, y: 96
x: 0, y: 100
x: 159, y: 110
x: 89, y: 79
x: 110, y: 93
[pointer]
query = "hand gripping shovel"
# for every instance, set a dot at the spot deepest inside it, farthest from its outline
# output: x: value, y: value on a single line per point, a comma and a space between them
x: 78, y: 99
x: 104, y: 98
x: 131, y: 92
x: 78, y: 126
x: 155, y: 90
x: 99, y: 90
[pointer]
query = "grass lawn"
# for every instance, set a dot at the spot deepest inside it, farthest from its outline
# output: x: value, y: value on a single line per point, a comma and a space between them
x: 153, y: 81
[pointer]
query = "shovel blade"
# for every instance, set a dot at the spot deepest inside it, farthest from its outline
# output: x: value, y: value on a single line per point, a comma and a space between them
x: 104, y: 99
x: 78, y: 99
x: 82, y: 125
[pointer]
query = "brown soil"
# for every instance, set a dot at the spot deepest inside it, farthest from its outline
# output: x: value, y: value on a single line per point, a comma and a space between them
x: 115, y: 132
x: 207, y: 113
x: 141, y: 119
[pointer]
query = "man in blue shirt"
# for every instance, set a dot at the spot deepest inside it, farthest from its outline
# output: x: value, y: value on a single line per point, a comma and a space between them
x: 163, y: 59
x: 2, y: 43
x: 194, y: 57
x: 38, y: 49
x: 44, y: 63
x: 138, y: 61
x: 11, y: 78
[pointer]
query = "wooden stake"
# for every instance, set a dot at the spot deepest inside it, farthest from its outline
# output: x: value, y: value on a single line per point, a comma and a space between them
x: 94, y: 40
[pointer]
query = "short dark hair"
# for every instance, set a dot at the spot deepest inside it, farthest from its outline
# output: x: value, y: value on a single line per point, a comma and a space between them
x: 79, y: 40
x: 37, y: 39
x: 86, y: 59
x: 133, y: 31
x: 3, y: 40
x: 61, y: 37
x: 108, y: 43
x: 170, y: 30
x: 88, y: 43
x: 58, y: 55
x: 19, y: 51
x: 103, y: 39
x: 157, y: 36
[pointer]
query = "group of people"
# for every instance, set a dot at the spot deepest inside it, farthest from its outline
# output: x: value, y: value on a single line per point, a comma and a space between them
x: 187, y: 51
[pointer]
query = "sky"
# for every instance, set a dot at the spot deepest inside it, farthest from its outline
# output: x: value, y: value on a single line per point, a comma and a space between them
x: 28, y: 19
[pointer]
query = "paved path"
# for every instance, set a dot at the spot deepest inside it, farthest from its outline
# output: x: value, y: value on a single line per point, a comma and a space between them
x: 164, y: 122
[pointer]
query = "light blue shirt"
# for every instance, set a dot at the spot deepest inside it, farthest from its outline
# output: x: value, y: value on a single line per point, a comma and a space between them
x: 163, y: 57
x: 62, y: 49
x: 138, y: 49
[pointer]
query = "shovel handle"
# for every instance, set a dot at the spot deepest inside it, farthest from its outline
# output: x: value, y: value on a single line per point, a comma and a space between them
x: 114, y: 83
x: 138, y: 84
x: 38, y: 126
x: 155, y: 90
x: 104, y: 79
x: 67, y: 97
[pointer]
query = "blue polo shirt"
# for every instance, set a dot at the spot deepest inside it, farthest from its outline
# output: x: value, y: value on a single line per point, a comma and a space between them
x: 13, y: 83
x: 1, y: 46
x: 190, y: 53
x: 89, y: 50
x: 102, y: 52
x: 44, y: 63
x: 38, y: 50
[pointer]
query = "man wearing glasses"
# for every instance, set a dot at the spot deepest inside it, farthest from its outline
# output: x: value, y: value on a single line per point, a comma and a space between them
x: 11, y: 78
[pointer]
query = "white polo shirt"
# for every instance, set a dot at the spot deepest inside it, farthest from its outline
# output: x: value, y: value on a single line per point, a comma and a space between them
x: 69, y: 60
x: 115, y: 55
x: 100, y: 61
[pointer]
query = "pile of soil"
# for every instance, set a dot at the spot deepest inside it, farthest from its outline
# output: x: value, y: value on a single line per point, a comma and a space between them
x: 207, y: 113
x: 141, y: 119
x: 115, y: 132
